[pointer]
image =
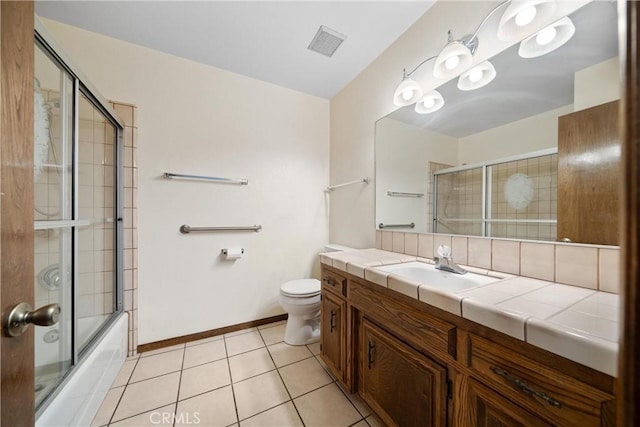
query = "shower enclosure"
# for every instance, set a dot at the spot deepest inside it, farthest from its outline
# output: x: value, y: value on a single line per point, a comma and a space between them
x: 511, y: 198
x: 78, y: 229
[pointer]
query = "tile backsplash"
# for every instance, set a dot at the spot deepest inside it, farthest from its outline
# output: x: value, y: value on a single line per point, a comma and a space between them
x: 587, y: 266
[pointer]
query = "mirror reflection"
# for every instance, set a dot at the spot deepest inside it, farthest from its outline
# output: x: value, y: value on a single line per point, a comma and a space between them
x: 533, y: 155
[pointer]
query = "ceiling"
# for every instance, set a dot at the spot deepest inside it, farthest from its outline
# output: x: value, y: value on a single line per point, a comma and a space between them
x: 265, y: 40
x: 524, y: 87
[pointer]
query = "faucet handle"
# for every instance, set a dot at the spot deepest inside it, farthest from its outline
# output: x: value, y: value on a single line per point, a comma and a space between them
x: 444, y: 251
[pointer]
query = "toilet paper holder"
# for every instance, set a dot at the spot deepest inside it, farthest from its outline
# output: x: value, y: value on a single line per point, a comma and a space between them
x: 225, y: 252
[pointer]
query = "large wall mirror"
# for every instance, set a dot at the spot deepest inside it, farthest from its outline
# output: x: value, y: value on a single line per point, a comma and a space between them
x: 533, y: 155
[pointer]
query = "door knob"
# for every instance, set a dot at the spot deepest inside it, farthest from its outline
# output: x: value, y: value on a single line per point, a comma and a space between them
x: 20, y: 316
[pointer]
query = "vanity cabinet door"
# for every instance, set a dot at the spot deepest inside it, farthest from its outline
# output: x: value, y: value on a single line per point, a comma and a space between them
x: 487, y: 408
x: 333, y: 333
x: 401, y: 385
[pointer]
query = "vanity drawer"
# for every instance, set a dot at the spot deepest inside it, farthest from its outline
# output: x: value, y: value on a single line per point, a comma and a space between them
x: 550, y: 394
x: 334, y: 282
x: 416, y: 327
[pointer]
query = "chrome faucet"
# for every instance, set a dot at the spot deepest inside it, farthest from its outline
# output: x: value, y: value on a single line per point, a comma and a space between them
x: 444, y: 261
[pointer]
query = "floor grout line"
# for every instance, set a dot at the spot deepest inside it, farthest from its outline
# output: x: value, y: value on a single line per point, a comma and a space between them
x: 233, y: 390
x: 115, y: 408
x: 175, y: 408
x: 283, y: 383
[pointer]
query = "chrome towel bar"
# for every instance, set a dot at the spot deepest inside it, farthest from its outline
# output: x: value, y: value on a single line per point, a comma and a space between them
x: 412, y: 225
x: 186, y: 229
x: 333, y: 187
x: 169, y: 175
x: 401, y: 194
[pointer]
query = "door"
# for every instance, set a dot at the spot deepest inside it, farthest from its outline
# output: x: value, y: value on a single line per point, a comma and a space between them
x: 404, y: 387
x: 589, y: 173
x: 16, y: 206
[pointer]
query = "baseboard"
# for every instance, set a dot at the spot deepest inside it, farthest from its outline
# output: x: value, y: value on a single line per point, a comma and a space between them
x: 208, y: 334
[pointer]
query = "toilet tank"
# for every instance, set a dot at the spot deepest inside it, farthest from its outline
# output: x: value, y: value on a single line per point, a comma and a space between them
x: 333, y: 247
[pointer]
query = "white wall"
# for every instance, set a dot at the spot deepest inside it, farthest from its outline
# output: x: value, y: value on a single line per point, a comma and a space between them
x: 198, y: 119
x: 523, y: 136
x: 597, y: 84
x: 406, y: 148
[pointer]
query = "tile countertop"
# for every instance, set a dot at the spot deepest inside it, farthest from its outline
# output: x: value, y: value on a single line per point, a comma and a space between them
x: 577, y: 323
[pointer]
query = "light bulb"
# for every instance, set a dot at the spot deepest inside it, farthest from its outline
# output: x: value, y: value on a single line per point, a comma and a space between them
x: 546, y: 36
x: 429, y: 102
x: 526, y: 16
x: 407, y: 95
x: 452, y: 63
x: 475, y: 75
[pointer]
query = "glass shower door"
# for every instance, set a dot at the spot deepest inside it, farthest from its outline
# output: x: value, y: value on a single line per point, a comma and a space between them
x: 53, y: 180
x: 77, y: 255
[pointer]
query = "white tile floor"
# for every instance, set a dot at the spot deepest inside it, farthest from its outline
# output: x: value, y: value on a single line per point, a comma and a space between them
x: 245, y: 378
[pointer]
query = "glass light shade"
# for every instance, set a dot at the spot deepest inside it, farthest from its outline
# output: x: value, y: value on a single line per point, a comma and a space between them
x: 477, y: 77
x: 541, y: 42
x: 522, y: 16
x: 430, y: 102
x: 454, y: 57
x: 407, y: 93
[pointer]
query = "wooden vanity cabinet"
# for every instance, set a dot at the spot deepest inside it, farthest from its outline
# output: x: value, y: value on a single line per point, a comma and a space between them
x: 333, y: 333
x: 402, y: 386
x: 335, y: 326
x: 416, y: 365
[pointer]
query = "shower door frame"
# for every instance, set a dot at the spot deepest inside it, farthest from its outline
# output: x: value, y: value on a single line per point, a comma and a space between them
x: 82, y: 86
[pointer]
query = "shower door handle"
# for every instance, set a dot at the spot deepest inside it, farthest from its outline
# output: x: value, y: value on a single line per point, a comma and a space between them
x: 20, y: 316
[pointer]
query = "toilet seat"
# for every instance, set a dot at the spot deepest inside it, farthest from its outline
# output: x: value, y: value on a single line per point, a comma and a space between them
x: 302, y: 288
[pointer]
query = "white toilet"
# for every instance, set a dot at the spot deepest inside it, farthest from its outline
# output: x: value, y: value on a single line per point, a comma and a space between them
x: 301, y: 300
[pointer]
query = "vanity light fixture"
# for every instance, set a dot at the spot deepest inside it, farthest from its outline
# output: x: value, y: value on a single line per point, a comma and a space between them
x: 517, y: 21
x: 548, y: 39
x: 407, y: 92
x: 430, y: 102
x: 456, y: 56
x: 477, y: 77
x: 523, y: 15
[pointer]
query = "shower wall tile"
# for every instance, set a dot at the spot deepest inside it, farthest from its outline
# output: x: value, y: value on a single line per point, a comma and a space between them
x: 378, y: 239
x: 128, y: 114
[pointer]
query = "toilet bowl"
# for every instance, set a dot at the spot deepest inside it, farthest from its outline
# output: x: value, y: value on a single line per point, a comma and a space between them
x: 301, y: 300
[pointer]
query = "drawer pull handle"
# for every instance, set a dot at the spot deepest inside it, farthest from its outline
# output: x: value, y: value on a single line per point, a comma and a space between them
x: 332, y: 322
x: 330, y: 282
x: 372, y: 347
x: 524, y: 387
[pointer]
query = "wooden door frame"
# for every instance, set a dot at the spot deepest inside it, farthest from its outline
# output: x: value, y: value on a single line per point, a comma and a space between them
x: 628, y: 395
x: 16, y: 205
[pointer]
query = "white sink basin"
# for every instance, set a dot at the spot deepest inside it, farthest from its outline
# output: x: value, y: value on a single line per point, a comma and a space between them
x: 427, y: 274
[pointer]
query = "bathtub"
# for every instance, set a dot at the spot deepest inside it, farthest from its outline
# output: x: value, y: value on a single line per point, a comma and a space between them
x: 81, y: 394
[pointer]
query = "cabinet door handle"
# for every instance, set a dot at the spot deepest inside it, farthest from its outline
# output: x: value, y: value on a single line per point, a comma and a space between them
x: 372, y: 347
x: 332, y: 321
x: 524, y: 387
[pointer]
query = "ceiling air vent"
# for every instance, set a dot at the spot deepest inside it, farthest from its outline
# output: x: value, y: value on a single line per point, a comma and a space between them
x: 326, y: 41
